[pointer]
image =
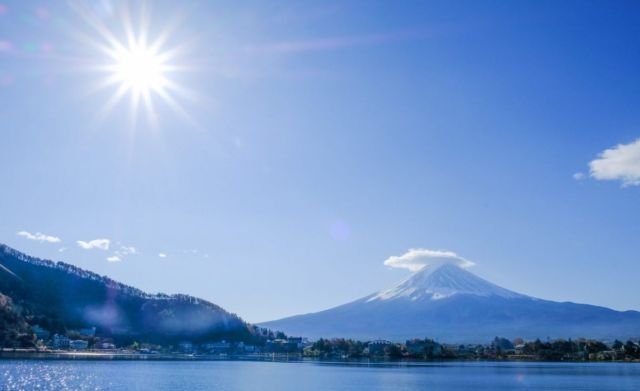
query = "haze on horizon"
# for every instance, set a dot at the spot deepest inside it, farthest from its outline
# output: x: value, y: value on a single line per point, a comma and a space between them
x: 269, y: 157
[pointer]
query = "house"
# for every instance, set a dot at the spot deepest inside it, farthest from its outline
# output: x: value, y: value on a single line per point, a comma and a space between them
x: 60, y: 341
x: 377, y: 347
x: 281, y: 346
x: 249, y: 348
x: 241, y: 347
x: 78, y: 344
x: 607, y: 355
x: 275, y: 346
x: 105, y: 343
x: 219, y: 347
x: 298, y: 342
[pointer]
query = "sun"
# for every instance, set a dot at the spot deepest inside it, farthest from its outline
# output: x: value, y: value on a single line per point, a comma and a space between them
x: 138, y: 63
x: 140, y: 69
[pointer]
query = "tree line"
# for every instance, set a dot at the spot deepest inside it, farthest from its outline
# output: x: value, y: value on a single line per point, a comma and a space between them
x: 498, y: 349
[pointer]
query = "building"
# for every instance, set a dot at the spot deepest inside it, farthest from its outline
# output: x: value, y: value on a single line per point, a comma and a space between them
x: 281, y: 346
x: 104, y: 343
x: 249, y: 348
x: 299, y: 342
x: 216, y: 347
x: 78, y: 344
x: 60, y: 341
x: 107, y: 345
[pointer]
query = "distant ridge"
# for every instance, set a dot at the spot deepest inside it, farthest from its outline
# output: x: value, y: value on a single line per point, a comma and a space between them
x: 454, y: 305
x: 63, y: 297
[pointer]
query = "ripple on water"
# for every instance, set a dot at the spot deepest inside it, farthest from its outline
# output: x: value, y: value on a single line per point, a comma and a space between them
x: 45, y: 376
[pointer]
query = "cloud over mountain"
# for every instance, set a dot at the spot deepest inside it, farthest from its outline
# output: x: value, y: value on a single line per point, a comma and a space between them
x: 418, y: 258
x: 39, y: 237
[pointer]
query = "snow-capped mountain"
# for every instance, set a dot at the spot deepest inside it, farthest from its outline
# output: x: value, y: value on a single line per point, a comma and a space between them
x: 440, y: 282
x: 452, y: 304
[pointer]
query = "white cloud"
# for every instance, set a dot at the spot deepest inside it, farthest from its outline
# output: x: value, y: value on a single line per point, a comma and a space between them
x: 621, y: 163
x: 418, y: 258
x: 38, y: 236
x: 579, y: 176
x: 126, y: 250
x: 101, y: 244
x: 122, y: 252
x: 162, y: 255
x: 62, y: 249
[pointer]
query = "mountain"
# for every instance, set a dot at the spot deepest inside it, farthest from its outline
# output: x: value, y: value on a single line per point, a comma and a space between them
x: 61, y: 297
x: 14, y: 329
x: 454, y: 305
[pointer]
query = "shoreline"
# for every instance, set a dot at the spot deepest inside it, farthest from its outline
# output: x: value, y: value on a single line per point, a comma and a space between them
x: 293, y: 358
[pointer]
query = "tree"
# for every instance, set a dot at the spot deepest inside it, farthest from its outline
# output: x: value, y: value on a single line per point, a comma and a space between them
x: 393, y: 351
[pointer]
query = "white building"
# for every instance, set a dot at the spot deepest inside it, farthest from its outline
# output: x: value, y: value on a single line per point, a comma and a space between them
x: 60, y: 341
x: 78, y: 344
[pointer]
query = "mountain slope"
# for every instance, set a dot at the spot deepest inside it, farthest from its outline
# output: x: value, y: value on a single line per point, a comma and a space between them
x: 454, y: 305
x: 14, y: 330
x: 60, y: 297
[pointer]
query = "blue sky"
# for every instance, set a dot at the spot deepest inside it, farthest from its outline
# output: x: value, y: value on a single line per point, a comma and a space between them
x: 306, y: 143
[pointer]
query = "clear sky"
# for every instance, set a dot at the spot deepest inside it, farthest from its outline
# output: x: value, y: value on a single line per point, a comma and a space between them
x: 287, y: 149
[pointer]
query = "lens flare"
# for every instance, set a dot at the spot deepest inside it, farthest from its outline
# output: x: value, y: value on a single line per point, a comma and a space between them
x: 140, y: 69
x: 135, y: 63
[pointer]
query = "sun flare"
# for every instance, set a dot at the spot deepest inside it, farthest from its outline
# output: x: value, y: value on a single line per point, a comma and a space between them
x: 140, y: 64
x: 140, y: 69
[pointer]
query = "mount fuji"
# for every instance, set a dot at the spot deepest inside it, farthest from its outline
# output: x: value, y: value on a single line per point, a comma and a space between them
x: 448, y: 302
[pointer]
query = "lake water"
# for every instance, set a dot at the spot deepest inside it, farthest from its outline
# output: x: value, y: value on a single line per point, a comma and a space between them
x: 265, y: 376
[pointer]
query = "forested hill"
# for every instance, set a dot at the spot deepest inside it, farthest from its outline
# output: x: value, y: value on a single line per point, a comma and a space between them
x: 62, y: 297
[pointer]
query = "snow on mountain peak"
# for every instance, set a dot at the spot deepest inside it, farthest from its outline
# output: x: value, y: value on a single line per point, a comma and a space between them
x: 436, y: 282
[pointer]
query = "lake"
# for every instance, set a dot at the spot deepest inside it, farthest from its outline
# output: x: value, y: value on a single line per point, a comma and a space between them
x: 278, y: 376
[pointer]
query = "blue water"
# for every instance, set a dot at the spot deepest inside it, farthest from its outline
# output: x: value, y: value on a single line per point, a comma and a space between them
x: 236, y: 375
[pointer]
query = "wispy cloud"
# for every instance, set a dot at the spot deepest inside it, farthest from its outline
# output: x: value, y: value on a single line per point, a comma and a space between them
x: 162, y: 255
x: 126, y: 250
x: 122, y: 252
x: 39, y: 237
x: 418, y: 258
x: 100, y: 244
x: 620, y: 163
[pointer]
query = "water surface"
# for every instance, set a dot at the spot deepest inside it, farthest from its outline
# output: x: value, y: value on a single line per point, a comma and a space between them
x: 278, y: 376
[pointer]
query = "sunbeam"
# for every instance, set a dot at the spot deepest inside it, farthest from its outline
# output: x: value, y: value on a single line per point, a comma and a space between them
x: 134, y: 65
